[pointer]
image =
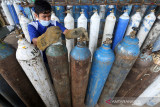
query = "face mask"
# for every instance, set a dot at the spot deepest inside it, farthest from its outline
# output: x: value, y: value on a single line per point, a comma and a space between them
x: 45, y: 23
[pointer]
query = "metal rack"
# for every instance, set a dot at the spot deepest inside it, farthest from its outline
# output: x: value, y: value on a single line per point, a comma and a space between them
x: 99, y: 2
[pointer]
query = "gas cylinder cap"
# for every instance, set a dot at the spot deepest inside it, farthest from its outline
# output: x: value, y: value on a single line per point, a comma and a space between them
x: 133, y: 33
x: 107, y: 41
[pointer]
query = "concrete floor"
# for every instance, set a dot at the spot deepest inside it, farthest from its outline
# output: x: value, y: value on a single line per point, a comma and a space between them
x: 12, y: 40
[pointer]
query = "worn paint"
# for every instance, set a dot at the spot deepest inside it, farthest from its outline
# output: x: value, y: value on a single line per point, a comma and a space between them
x: 69, y: 24
x: 32, y: 63
x: 121, y: 28
x: 102, y: 62
x: 145, y: 27
x: 94, y: 31
x: 126, y: 54
x: 7, y: 12
x: 7, y: 92
x: 80, y: 66
x: 134, y: 22
x: 109, y: 27
x: 156, y: 45
x: 57, y: 56
x: 18, y: 80
x: 24, y: 25
x: 137, y: 80
x: 153, y: 35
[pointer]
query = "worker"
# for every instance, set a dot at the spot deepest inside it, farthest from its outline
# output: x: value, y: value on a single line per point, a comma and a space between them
x: 44, y: 31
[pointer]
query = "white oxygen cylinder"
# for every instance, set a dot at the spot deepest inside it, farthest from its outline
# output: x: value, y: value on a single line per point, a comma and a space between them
x: 149, y: 92
x: 153, y: 34
x: 154, y: 100
x: 30, y: 59
x: 134, y: 22
x: 82, y: 21
x: 69, y: 24
x: 24, y: 25
x: 94, y: 31
x: 145, y: 27
x: 109, y: 26
x: 7, y: 12
x: 16, y: 7
x: 54, y: 17
x: 102, y: 11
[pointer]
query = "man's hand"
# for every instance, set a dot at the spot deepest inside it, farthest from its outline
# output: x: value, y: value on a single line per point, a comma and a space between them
x: 51, y: 36
x: 77, y: 33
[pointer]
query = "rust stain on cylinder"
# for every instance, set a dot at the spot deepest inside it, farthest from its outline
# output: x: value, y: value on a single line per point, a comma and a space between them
x: 16, y: 78
x: 79, y: 80
x: 59, y: 68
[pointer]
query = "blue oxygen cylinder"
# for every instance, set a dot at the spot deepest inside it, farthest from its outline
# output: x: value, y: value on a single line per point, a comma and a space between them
x: 128, y: 7
x: 86, y: 10
x: 102, y: 62
x: 121, y: 28
x: 60, y: 12
x: 22, y: 9
x: 126, y: 54
x: 76, y: 12
x: 28, y: 13
x: 156, y: 46
x: 7, y: 92
x: 13, y: 12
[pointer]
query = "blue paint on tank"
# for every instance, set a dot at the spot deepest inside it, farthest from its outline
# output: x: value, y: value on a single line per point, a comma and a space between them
x: 121, y: 28
x: 21, y: 9
x: 60, y: 12
x: 13, y: 13
x: 156, y: 45
x: 5, y: 50
x: 80, y: 53
x: 103, y: 59
x: 28, y: 13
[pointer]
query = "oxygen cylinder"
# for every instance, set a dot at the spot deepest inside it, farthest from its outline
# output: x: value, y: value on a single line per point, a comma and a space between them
x: 16, y: 78
x: 109, y: 9
x: 102, y: 11
x: 28, y: 13
x: 109, y: 26
x: 60, y: 12
x: 4, y: 102
x: 121, y: 28
x: 150, y: 92
x: 145, y: 27
x: 21, y: 9
x: 7, y: 92
x: 134, y: 22
x: 12, y: 11
x: 154, y: 100
x: 54, y: 17
x: 69, y: 24
x: 16, y: 8
x: 156, y: 45
x: 32, y: 63
x: 153, y: 34
x: 126, y: 54
x: 80, y: 66
x: 128, y: 7
x: 57, y: 56
x: 24, y: 25
x: 135, y: 9
x: 94, y: 31
x: 82, y: 21
x: 139, y: 77
x: 86, y: 10
x: 102, y: 62
x: 7, y: 12
x: 76, y: 12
